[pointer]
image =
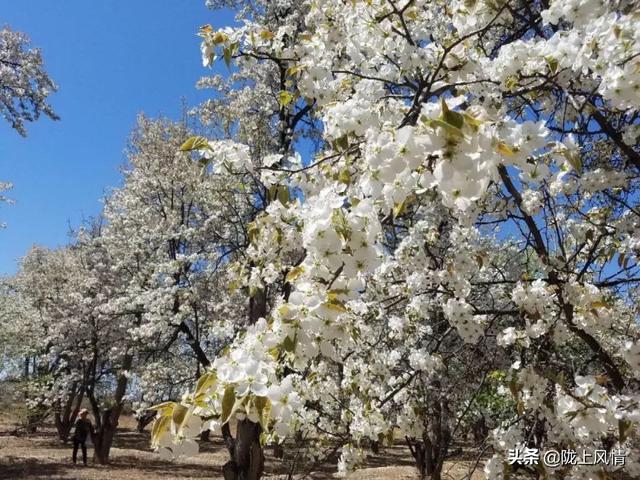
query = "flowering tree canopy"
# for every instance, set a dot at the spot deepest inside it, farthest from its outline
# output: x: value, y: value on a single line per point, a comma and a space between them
x: 24, y: 85
x: 473, y: 196
x: 400, y: 219
x: 133, y: 308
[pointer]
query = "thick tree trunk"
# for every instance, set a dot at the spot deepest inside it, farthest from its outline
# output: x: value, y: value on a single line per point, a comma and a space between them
x: 246, y: 452
x: 426, y: 459
x: 103, y: 438
x: 247, y: 456
x: 66, y: 415
x: 429, y: 452
x: 107, y: 420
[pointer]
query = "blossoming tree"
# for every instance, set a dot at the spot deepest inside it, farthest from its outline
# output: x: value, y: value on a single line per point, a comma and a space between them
x: 476, y: 185
x: 24, y: 85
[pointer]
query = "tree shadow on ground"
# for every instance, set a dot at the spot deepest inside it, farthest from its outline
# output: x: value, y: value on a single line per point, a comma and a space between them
x: 12, y: 468
x: 42, y: 455
x: 176, y: 470
x: 32, y: 468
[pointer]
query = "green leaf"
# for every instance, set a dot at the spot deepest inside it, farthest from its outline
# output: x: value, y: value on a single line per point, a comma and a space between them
x: 450, y: 117
x: 511, y: 83
x: 195, y: 143
x: 228, y: 401
x: 205, y: 382
x: 284, y: 310
x: 294, y: 273
x: 505, y: 149
x: 277, y: 236
x: 160, y: 425
x: 278, y: 192
x: 289, y: 344
x: 284, y: 98
x: 412, y: 15
x: 283, y: 194
x: 272, y: 193
x: 341, y: 143
x: 233, y: 286
x: 552, y: 63
x: 572, y: 414
x: 472, y: 121
x: 220, y: 37
x: 164, y: 409
x: 205, y: 30
x: 449, y: 129
x: 263, y: 407
x: 179, y: 414
x: 252, y: 233
x: 339, y: 222
x: 291, y: 71
x: 574, y: 159
x: 336, y: 305
x: 266, y: 35
x: 336, y: 292
x: 344, y: 176
x: 399, y: 208
x: 227, y: 54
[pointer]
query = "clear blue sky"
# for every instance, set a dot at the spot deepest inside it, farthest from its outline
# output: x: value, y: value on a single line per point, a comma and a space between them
x: 111, y: 59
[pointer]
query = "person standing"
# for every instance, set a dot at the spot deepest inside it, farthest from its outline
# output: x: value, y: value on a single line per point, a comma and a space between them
x: 83, y: 429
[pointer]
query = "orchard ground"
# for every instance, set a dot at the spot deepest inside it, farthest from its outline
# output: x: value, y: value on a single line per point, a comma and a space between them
x: 43, y: 456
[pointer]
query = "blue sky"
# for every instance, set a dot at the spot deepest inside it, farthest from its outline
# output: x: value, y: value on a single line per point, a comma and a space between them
x: 111, y: 59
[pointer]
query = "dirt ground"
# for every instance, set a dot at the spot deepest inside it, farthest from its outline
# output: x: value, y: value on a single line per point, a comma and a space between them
x: 42, y: 456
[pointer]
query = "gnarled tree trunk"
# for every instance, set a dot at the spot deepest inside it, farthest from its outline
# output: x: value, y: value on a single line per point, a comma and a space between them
x: 103, y: 438
x: 430, y: 451
x: 65, y: 416
x: 247, y: 456
x: 246, y: 452
x: 107, y: 420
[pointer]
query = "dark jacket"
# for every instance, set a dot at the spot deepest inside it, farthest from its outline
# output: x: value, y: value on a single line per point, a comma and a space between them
x: 83, y: 429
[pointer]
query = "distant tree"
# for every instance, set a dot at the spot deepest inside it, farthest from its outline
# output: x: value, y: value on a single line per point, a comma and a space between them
x: 24, y: 84
x: 133, y: 308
